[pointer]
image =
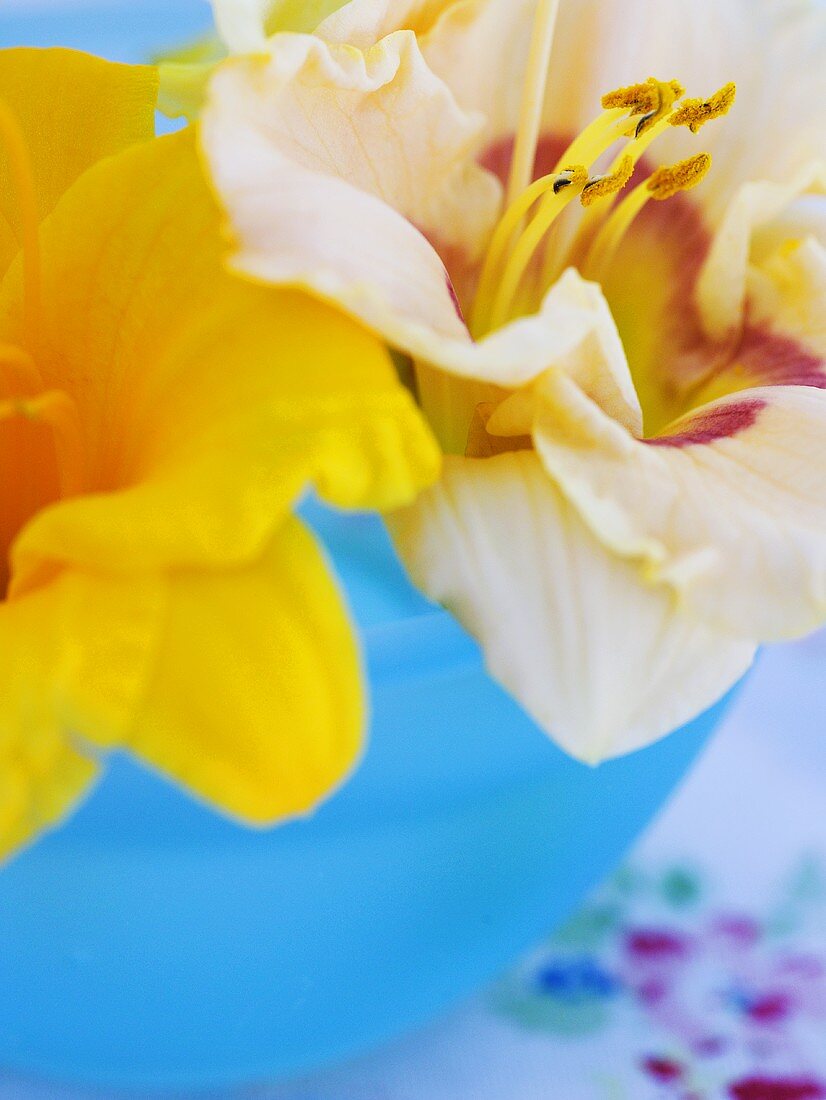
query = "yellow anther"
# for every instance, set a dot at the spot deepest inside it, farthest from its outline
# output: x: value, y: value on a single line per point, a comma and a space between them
x: 599, y: 187
x: 661, y: 184
x: 667, y: 96
x: 695, y: 113
x: 639, y: 99
x: 576, y: 175
x: 666, y: 182
x: 644, y: 99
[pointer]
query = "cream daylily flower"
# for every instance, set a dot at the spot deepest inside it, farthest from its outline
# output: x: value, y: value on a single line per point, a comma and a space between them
x: 628, y: 387
x: 159, y: 420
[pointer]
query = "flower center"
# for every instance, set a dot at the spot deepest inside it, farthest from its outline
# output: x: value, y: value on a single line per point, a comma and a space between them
x: 40, y: 462
x: 41, y: 443
x: 524, y: 258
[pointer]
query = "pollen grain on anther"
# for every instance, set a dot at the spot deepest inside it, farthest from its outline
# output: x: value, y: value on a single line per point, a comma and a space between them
x: 695, y: 113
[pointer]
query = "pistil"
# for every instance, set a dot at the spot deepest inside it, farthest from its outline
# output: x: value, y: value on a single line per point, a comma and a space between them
x: 533, y: 98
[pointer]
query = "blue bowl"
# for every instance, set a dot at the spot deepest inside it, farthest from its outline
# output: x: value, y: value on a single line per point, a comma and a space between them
x: 150, y: 943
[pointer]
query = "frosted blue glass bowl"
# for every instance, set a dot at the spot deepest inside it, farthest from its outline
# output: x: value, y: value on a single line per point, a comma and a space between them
x: 150, y: 943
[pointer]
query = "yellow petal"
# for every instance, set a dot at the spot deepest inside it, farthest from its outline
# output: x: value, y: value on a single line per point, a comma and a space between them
x: 253, y: 699
x: 42, y: 771
x: 207, y: 404
x: 73, y: 110
x: 728, y: 505
x: 604, y: 662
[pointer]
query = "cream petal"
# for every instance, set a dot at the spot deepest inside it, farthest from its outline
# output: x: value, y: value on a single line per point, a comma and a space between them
x: 728, y: 506
x: 786, y: 292
x: 245, y: 25
x: 292, y: 226
x: 722, y: 285
x: 341, y: 208
x: 573, y: 331
x: 478, y: 47
x: 604, y: 662
x: 363, y: 23
x: 298, y: 223
x: 379, y: 121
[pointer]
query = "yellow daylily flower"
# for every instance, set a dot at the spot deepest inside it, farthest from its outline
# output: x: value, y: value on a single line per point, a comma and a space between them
x: 613, y: 297
x: 159, y: 419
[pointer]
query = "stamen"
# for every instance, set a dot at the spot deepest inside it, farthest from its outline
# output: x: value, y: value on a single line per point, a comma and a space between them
x: 656, y: 98
x: 533, y: 98
x: 528, y: 244
x: 639, y: 113
x: 503, y: 235
x: 597, y: 138
x: 600, y: 186
x: 20, y: 370
x: 11, y: 135
x: 635, y: 149
x: 60, y: 412
x: 666, y: 182
x: 662, y: 184
x: 667, y: 95
x: 639, y: 99
x: 642, y: 99
x: 695, y: 113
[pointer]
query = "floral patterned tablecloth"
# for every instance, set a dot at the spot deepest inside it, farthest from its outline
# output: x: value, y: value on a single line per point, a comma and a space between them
x: 697, y: 973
